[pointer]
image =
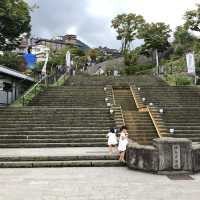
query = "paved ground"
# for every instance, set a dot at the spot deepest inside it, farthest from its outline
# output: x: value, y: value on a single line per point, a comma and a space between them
x: 93, y: 184
x: 79, y: 151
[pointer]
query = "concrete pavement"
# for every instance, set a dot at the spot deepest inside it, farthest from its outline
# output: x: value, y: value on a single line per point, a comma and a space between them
x: 93, y: 184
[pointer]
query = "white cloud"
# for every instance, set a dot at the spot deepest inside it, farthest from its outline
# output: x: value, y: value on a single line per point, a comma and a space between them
x: 91, y: 19
x: 170, y: 11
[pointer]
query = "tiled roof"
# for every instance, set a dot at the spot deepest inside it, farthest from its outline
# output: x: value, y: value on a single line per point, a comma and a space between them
x: 14, y: 73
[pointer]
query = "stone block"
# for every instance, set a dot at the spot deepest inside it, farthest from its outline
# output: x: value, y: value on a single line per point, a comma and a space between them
x: 174, y: 154
x: 142, y: 157
x: 196, y: 158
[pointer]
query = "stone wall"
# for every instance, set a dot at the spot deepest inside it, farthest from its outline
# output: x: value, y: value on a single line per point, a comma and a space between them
x: 165, y: 156
x: 142, y: 157
x: 196, y: 158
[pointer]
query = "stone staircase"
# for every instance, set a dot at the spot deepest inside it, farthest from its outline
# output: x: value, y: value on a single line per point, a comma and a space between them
x: 59, y: 118
x: 171, y: 96
x: 184, y: 121
x: 71, y: 96
x: 57, y: 157
x: 54, y: 127
x: 140, y: 126
x: 180, y: 105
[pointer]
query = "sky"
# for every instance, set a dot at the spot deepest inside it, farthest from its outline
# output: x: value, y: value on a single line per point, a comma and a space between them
x: 91, y: 20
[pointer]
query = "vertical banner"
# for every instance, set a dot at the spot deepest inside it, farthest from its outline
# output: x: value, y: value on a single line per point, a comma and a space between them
x: 190, y: 63
x: 44, y: 69
x: 68, y: 59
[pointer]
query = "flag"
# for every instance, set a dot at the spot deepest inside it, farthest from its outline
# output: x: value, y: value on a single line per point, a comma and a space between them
x: 44, y: 69
x: 68, y: 59
x: 190, y: 63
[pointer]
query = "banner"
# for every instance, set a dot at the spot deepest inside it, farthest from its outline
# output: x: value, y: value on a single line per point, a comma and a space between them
x: 68, y: 59
x: 44, y: 69
x: 190, y: 63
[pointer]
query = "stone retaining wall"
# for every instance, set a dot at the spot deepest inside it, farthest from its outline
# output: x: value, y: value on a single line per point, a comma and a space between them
x: 196, y: 158
x: 165, y: 156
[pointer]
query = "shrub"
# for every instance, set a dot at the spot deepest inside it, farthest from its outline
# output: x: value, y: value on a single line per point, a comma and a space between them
x: 131, y: 70
x: 183, y: 80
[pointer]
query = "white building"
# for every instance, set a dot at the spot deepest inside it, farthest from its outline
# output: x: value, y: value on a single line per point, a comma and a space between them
x: 40, y: 51
x: 12, y: 85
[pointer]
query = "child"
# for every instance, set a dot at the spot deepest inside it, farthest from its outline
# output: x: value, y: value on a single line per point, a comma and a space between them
x: 112, y: 139
x: 123, y: 141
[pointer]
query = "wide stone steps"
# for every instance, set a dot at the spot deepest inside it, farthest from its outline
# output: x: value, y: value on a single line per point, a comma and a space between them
x: 47, y: 140
x: 79, y: 163
x: 52, y: 145
x: 57, y: 157
x: 53, y: 136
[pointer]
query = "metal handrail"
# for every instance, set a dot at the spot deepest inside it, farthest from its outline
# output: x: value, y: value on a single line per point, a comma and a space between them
x: 45, y: 79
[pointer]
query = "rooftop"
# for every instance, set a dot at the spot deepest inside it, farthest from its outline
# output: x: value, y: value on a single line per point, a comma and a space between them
x: 14, y: 73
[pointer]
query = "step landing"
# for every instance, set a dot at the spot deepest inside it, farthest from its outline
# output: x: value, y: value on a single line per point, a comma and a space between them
x: 58, y: 157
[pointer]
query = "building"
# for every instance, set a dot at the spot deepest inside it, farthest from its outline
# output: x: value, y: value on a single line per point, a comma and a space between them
x: 12, y: 85
x: 110, y: 52
x: 63, y: 42
x: 54, y: 44
x: 41, y: 52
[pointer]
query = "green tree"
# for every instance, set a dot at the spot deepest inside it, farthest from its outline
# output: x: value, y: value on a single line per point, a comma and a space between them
x: 155, y: 36
x: 182, y: 36
x: 192, y: 18
x: 14, y: 21
x: 127, y: 26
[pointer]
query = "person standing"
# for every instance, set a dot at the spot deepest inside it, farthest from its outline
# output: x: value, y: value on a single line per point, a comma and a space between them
x: 112, y: 139
x: 123, y: 141
x: 30, y: 60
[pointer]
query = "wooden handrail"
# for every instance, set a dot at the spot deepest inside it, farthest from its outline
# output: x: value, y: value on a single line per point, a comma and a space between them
x: 154, y: 122
x: 113, y: 96
x: 134, y: 97
x: 122, y: 116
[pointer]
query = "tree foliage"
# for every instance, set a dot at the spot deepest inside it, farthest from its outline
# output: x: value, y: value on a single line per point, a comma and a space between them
x: 155, y: 36
x: 14, y: 21
x: 13, y: 61
x: 127, y: 26
x: 192, y: 18
x: 182, y: 36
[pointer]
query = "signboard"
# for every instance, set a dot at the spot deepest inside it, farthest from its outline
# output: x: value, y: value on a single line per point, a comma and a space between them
x: 190, y: 63
x: 1, y: 85
x: 176, y: 156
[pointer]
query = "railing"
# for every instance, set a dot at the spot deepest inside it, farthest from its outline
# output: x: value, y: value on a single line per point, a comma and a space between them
x: 56, y: 79
x: 140, y: 106
x: 122, y: 116
x: 134, y: 97
x: 154, y: 122
x: 113, y: 96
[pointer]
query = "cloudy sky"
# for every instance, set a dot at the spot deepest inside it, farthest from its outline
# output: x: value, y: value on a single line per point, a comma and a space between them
x: 91, y: 19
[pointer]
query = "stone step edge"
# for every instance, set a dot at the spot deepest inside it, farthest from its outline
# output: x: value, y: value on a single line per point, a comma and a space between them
x: 40, y: 164
x: 17, y: 158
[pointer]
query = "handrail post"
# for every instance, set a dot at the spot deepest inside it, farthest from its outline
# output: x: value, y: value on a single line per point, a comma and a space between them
x: 23, y: 100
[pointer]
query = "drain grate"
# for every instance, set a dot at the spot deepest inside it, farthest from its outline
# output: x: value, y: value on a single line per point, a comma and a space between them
x: 178, y: 177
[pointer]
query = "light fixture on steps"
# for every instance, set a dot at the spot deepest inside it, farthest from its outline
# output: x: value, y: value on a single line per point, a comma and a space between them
x: 161, y: 110
x: 106, y: 99
x: 111, y: 111
x: 143, y: 99
x: 138, y: 89
x: 105, y: 88
x: 151, y: 104
x: 108, y: 104
x: 171, y: 130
